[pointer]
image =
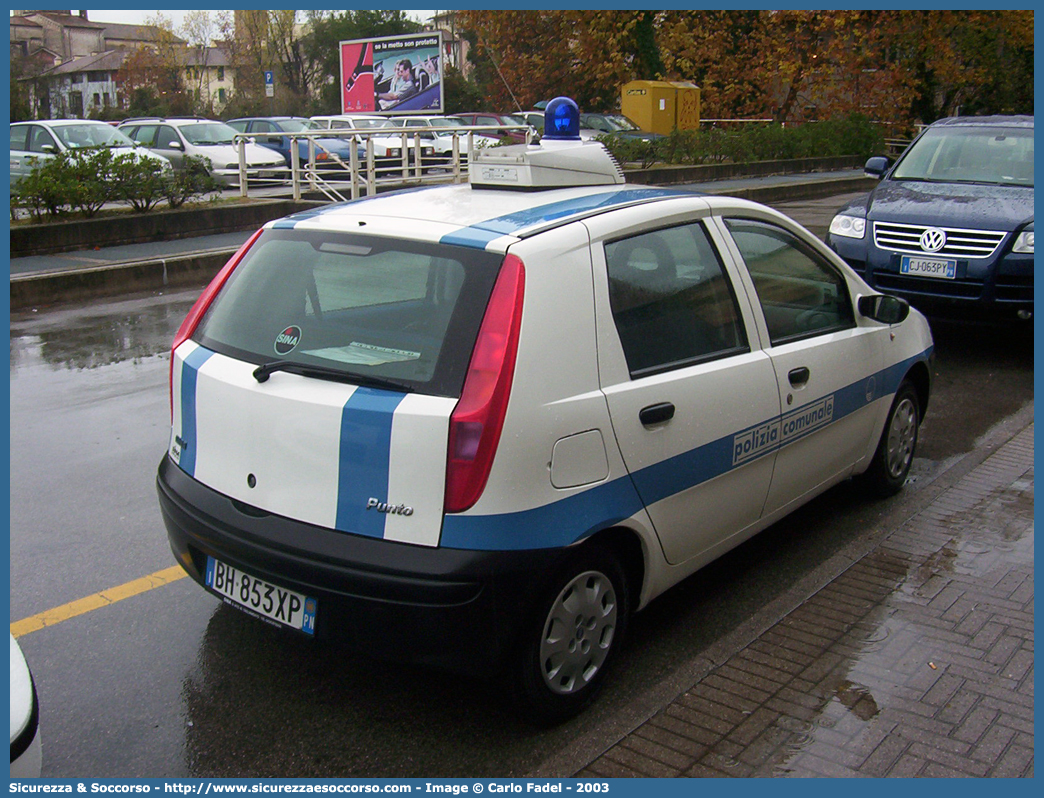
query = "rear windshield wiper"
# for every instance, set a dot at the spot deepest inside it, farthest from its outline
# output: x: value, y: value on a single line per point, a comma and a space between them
x: 262, y: 372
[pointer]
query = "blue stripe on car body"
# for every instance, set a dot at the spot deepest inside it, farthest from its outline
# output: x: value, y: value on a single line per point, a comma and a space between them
x: 480, y: 234
x: 569, y: 520
x: 189, y: 374
x: 364, y: 459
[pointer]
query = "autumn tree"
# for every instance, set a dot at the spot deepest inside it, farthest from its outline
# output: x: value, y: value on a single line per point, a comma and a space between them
x: 199, y: 29
x: 781, y: 65
x: 170, y: 57
x: 972, y: 62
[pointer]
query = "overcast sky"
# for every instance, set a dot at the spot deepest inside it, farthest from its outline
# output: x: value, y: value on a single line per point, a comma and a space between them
x: 132, y: 17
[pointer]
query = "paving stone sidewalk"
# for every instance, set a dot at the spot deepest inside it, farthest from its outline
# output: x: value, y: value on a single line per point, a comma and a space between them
x: 916, y: 661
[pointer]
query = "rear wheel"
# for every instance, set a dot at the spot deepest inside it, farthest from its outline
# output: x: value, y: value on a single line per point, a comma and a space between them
x: 895, y: 452
x: 572, y: 638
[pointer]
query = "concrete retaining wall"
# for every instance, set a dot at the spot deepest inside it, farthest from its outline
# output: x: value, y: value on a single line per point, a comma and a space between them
x: 667, y: 175
x: 138, y: 228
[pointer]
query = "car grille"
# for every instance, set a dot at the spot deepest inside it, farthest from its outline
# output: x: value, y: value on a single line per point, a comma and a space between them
x: 1014, y: 288
x: 960, y: 289
x: 959, y: 243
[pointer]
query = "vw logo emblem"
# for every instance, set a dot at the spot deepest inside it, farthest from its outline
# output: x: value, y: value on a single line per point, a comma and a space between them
x: 933, y: 239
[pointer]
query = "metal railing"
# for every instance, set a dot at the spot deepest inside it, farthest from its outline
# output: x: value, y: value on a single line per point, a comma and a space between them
x: 417, y: 161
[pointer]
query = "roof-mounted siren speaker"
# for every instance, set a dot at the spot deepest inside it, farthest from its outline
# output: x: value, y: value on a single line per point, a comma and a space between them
x: 560, y: 160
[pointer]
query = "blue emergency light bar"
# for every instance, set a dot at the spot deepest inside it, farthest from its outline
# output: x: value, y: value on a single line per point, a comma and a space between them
x: 562, y: 120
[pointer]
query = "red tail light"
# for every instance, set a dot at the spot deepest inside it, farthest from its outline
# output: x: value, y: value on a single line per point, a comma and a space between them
x: 478, y: 419
x: 188, y: 326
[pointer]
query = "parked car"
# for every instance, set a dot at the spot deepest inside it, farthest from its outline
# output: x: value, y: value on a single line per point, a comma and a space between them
x: 274, y: 132
x: 387, y: 150
x: 617, y: 126
x: 176, y: 138
x: 950, y: 225
x: 480, y: 118
x: 481, y: 425
x: 442, y: 139
x: 26, y: 749
x: 34, y: 142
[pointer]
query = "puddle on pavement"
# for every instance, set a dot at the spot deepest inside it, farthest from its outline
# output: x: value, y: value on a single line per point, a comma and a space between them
x: 99, y: 334
x: 890, y: 659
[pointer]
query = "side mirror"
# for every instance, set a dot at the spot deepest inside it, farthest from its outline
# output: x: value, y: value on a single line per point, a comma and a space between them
x: 884, y: 308
x: 173, y: 145
x: 50, y: 149
x: 877, y: 166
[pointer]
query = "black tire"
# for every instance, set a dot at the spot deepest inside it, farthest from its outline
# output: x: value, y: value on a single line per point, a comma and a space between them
x: 895, y: 452
x: 571, y: 638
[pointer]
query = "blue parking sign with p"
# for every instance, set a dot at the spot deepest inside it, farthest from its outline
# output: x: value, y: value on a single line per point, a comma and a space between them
x: 269, y: 77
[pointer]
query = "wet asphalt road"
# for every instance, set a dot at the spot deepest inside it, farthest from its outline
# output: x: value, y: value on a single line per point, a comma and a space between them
x: 171, y: 683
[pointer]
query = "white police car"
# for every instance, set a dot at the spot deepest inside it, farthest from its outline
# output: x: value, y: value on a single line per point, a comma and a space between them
x: 481, y: 425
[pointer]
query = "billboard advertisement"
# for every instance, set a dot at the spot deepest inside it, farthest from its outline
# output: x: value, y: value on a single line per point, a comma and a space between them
x: 392, y: 74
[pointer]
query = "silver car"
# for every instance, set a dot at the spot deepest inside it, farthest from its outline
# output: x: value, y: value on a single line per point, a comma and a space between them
x: 35, y: 142
x: 176, y: 139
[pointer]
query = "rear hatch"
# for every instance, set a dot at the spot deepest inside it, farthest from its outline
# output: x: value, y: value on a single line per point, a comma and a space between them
x: 320, y: 382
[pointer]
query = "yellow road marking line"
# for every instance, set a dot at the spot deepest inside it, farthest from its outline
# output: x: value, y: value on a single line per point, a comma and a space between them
x: 102, y: 599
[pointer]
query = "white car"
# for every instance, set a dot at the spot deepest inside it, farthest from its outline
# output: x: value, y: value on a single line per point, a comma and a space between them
x: 446, y: 129
x: 26, y: 749
x: 214, y: 141
x: 481, y: 425
x: 387, y: 149
x: 34, y: 142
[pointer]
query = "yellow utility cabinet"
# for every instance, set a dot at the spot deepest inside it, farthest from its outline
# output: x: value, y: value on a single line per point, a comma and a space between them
x: 660, y: 106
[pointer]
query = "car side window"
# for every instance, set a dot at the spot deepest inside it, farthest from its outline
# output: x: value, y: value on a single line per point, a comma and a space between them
x: 165, y: 136
x: 671, y: 300
x: 143, y: 134
x: 40, y: 140
x: 800, y: 293
x: 19, y: 137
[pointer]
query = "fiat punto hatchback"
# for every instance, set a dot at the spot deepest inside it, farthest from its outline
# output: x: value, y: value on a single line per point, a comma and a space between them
x: 481, y: 425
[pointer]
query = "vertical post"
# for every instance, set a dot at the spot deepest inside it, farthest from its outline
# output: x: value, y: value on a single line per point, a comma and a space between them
x: 242, y: 166
x: 295, y: 168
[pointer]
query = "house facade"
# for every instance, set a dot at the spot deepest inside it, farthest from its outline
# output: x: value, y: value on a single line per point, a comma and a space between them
x: 72, y: 64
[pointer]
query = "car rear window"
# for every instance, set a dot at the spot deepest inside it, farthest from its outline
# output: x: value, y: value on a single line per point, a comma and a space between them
x: 374, y: 310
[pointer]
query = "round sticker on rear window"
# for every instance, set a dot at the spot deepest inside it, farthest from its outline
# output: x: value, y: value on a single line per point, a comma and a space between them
x: 287, y: 340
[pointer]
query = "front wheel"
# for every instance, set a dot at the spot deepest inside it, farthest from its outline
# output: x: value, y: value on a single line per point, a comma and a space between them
x: 895, y: 452
x: 572, y: 638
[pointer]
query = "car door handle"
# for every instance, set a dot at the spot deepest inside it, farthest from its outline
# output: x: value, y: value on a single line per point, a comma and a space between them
x: 656, y: 414
x: 799, y: 377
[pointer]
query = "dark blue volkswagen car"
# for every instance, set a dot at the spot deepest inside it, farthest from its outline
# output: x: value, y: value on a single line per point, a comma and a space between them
x: 950, y: 226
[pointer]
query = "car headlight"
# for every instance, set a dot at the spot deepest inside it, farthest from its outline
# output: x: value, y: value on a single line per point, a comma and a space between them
x: 1024, y: 243
x: 848, y: 226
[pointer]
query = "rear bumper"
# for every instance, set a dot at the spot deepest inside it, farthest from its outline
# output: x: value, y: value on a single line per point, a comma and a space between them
x: 446, y: 607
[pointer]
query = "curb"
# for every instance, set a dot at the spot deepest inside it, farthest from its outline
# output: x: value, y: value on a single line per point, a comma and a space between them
x: 113, y: 279
x: 799, y: 190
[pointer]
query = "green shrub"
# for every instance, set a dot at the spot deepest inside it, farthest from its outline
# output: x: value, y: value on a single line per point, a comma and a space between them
x: 143, y: 182
x: 86, y: 180
x: 44, y: 190
x: 192, y: 180
x: 754, y: 142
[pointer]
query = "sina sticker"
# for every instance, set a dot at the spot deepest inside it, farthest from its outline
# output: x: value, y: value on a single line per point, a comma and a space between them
x: 287, y: 340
